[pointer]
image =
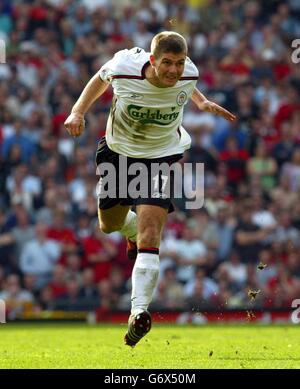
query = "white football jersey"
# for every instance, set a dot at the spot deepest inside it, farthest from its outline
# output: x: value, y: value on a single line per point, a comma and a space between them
x: 144, y: 120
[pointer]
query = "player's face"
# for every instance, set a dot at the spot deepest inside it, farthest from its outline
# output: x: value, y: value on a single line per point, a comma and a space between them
x: 168, y: 68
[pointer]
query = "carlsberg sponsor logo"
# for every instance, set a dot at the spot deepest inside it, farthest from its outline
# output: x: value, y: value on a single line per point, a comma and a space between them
x: 146, y: 115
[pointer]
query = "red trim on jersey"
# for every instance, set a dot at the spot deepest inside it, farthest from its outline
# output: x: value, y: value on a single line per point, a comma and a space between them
x: 113, y: 115
x: 188, y: 78
x: 128, y: 76
x: 143, y: 71
x: 133, y: 77
x: 179, y: 132
x: 143, y: 75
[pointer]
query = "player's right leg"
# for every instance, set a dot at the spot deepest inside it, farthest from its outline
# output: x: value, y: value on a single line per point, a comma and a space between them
x: 151, y: 220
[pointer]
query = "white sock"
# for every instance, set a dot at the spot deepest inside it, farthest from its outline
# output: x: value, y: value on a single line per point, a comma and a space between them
x: 144, y: 280
x: 129, y: 229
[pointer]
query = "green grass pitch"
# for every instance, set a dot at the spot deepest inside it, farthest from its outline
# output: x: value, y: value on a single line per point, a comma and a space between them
x: 166, y: 346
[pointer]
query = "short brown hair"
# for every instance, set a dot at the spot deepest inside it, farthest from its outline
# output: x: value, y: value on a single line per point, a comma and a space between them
x: 168, y: 42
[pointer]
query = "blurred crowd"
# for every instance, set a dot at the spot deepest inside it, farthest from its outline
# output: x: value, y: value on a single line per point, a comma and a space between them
x: 247, y: 235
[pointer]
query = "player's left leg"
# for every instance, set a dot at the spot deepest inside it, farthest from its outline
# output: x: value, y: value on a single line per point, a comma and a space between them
x: 114, y: 214
x: 120, y: 218
x: 150, y: 223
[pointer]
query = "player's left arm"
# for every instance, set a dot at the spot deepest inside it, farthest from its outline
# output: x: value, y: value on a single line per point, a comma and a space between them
x: 208, y: 106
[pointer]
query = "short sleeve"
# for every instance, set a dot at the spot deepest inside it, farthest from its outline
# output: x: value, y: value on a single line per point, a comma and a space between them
x: 191, y: 69
x: 111, y: 67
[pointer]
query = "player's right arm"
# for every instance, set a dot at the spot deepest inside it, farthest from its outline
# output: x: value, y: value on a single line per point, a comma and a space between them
x: 75, y: 122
